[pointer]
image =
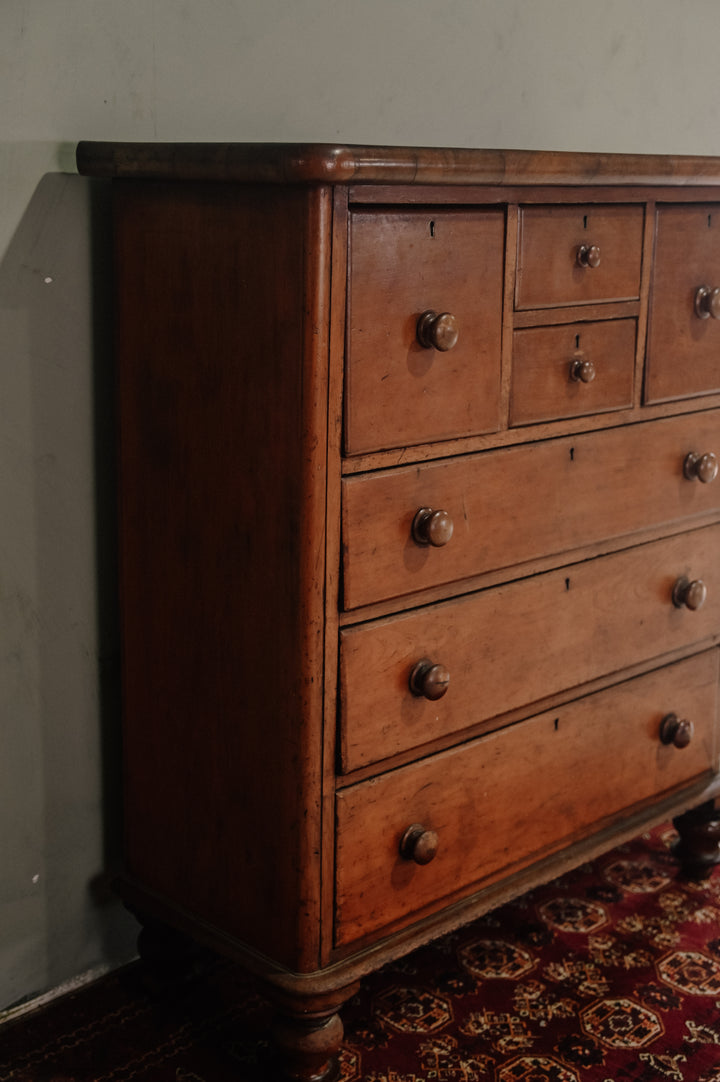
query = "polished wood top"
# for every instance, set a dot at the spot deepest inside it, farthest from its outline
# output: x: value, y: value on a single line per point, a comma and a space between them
x: 330, y: 164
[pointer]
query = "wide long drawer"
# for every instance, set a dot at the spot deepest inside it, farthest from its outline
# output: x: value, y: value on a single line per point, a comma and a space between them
x: 512, y: 645
x: 520, y: 503
x: 515, y: 795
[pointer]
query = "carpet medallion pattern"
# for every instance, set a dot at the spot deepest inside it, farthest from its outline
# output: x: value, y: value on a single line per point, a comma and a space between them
x: 609, y: 974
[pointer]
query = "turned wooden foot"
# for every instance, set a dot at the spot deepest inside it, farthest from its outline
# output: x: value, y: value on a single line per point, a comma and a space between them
x: 307, y: 1034
x: 699, y: 847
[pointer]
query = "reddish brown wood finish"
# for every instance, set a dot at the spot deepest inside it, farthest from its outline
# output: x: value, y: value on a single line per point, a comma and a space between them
x: 683, y: 349
x: 279, y: 163
x: 222, y: 479
x: 515, y: 644
x: 308, y: 1032
x: 403, y: 263
x: 543, y: 387
x: 516, y: 793
x: 548, y: 497
x: 551, y: 268
x: 299, y: 432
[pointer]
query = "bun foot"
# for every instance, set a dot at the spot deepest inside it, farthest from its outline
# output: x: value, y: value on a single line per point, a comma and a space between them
x: 699, y: 847
x: 307, y: 1035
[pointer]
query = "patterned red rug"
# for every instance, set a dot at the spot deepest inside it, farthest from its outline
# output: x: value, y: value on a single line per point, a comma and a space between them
x: 610, y: 974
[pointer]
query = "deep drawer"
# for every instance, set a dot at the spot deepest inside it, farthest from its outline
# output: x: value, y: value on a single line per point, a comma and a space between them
x: 508, y: 647
x: 550, y: 270
x: 684, y: 340
x: 400, y: 388
x: 521, y: 503
x: 571, y: 370
x: 515, y: 795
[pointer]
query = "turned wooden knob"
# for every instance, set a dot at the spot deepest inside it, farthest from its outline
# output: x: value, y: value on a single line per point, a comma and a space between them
x: 675, y: 730
x: 437, y: 331
x: 707, y: 302
x: 582, y: 370
x: 429, y: 681
x: 588, y: 255
x: 703, y: 467
x: 432, y: 527
x: 419, y: 844
x: 690, y: 593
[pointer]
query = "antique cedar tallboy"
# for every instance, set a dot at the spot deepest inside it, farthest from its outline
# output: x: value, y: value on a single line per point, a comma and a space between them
x: 420, y: 529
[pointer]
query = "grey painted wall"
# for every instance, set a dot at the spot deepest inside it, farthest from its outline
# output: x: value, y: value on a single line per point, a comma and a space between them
x: 616, y: 75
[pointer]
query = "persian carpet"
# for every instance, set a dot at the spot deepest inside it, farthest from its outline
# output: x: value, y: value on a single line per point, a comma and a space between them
x: 609, y: 974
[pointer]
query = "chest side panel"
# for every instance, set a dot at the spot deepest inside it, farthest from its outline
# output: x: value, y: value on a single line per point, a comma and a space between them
x: 220, y: 476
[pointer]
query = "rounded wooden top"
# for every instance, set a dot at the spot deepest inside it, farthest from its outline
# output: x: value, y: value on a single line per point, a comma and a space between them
x: 329, y: 164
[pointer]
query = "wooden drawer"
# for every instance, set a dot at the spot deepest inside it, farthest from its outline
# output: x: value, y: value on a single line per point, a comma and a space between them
x: 571, y: 370
x: 517, y: 794
x: 519, y: 503
x: 683, y: 353
x: 549, y: 272
x: 404, y: 263
x: 510, y: 646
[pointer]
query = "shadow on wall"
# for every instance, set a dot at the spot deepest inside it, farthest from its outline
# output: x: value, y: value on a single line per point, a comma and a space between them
x: 59, y: 645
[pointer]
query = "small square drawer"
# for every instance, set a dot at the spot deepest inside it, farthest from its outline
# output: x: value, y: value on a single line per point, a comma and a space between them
x: 417, y: 837
x: 683, y: 352
x: 423, y: 326
x: 578, y: 255
x: 572, y: 370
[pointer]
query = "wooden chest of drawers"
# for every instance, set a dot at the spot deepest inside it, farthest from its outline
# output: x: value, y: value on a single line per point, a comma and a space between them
x: 419, y: 538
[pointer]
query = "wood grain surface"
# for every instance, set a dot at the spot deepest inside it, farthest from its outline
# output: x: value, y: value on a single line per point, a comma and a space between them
x: 517, y: 793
